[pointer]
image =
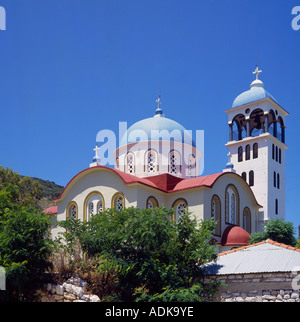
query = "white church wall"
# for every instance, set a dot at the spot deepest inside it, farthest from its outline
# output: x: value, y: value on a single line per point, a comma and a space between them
x: 246, y: 199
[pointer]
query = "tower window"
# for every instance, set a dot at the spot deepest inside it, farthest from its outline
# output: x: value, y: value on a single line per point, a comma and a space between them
x: 278, y: 181
x: 279, y: 155
x: 244, y: 176
x: 251, y: 178
x: 247, y: 152
x: 274, y: 179
x: 273, y: 151
x: 240, y: 154
x: 276, y: 153
x: 276, y: 206
x: 255, y: 151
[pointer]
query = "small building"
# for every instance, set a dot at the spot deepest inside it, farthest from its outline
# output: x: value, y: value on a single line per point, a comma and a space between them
x: 263, y: 272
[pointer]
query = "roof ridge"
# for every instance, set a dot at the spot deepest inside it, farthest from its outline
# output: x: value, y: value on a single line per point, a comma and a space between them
x: 269, y: 241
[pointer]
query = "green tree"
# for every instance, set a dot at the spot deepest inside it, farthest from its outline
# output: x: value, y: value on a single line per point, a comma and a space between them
x: 24, y: 250
x: 277, y: 230
x: 153, y: 257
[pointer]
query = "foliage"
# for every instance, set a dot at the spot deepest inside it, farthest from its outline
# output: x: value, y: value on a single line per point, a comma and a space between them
x: 298, y: 243
x: 27, y: 192
x: 146, y: 250
x: 24, y: 250
x: 277, y: 230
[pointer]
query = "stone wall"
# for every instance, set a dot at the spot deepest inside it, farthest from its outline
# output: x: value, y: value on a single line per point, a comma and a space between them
x: 263, y: 287
x: 73, y: 290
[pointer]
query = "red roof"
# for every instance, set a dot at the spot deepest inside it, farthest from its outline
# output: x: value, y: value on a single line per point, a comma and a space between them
x: 235, y: 236
x: 164, y: 182
x: 51, y: 210
x: 269, y: 241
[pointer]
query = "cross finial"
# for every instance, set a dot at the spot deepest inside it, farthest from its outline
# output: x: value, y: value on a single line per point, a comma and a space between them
x: 257, y: 72
x: 229, y: 157
x: 96, y: 150
x: 158, y: 100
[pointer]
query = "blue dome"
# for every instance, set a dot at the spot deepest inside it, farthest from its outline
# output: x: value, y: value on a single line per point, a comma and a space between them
x: 96, y: 159
x: 255, y: 93
x: 141, y: 131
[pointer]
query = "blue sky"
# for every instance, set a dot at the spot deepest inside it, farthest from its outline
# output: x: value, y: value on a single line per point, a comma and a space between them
x: 70, y: 68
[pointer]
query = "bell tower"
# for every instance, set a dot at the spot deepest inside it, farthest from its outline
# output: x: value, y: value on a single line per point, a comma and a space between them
x: 257, y: 146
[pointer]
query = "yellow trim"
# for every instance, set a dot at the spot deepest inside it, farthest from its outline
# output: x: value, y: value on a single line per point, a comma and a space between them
x: 216, y: 197
x: 115, y: 196
x: 175, y: 203
x: 233, y: 187
x: 68, y: 209
x: 93, y: 193
x: 153, y: 199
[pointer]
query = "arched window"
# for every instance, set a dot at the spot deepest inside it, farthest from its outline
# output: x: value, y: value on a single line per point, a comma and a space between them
x: 180, y: 207
x: 247, y: 152
x: 151, y: 203
x: 251, y: 178
x: 240, y: 154
x: 72, y: 210
x: 129, y: 163
x: 244, y: 176
x: 231, y: 205
x: 151, y: 161
x: 276, y: 153
x: 255, y: 151
x: 274, y: 179
x: 247, y: 220
x: 278, y: 181
x: 174, y: 162
x: 216, y: 214
x: 273, y: 151
x: 117, y: 163
x: 118, y: 201
x: 93, y: 204
x: 192, y: 166
x: 276, y: 206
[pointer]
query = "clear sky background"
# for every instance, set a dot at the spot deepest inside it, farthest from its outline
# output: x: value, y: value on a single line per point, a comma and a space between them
x: 69, y: 68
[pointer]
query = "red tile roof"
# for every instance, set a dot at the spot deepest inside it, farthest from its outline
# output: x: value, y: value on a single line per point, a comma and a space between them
x: 51, y: 210
x: 270, y: 241
x: 164, y: 182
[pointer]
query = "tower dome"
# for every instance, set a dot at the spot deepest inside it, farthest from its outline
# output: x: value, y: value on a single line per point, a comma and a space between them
x: 255, y: 93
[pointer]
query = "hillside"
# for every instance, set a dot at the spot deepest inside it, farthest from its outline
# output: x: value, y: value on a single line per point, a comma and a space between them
x: 49, y: 190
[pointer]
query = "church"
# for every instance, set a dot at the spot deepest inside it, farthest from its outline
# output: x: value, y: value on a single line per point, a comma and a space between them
x: 158, y: 170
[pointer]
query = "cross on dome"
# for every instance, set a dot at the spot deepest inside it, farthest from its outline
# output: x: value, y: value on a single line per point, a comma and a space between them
x: 257, y: 72
x: 159, y: 111
x: 158, y: 101
x: 96, y: 150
